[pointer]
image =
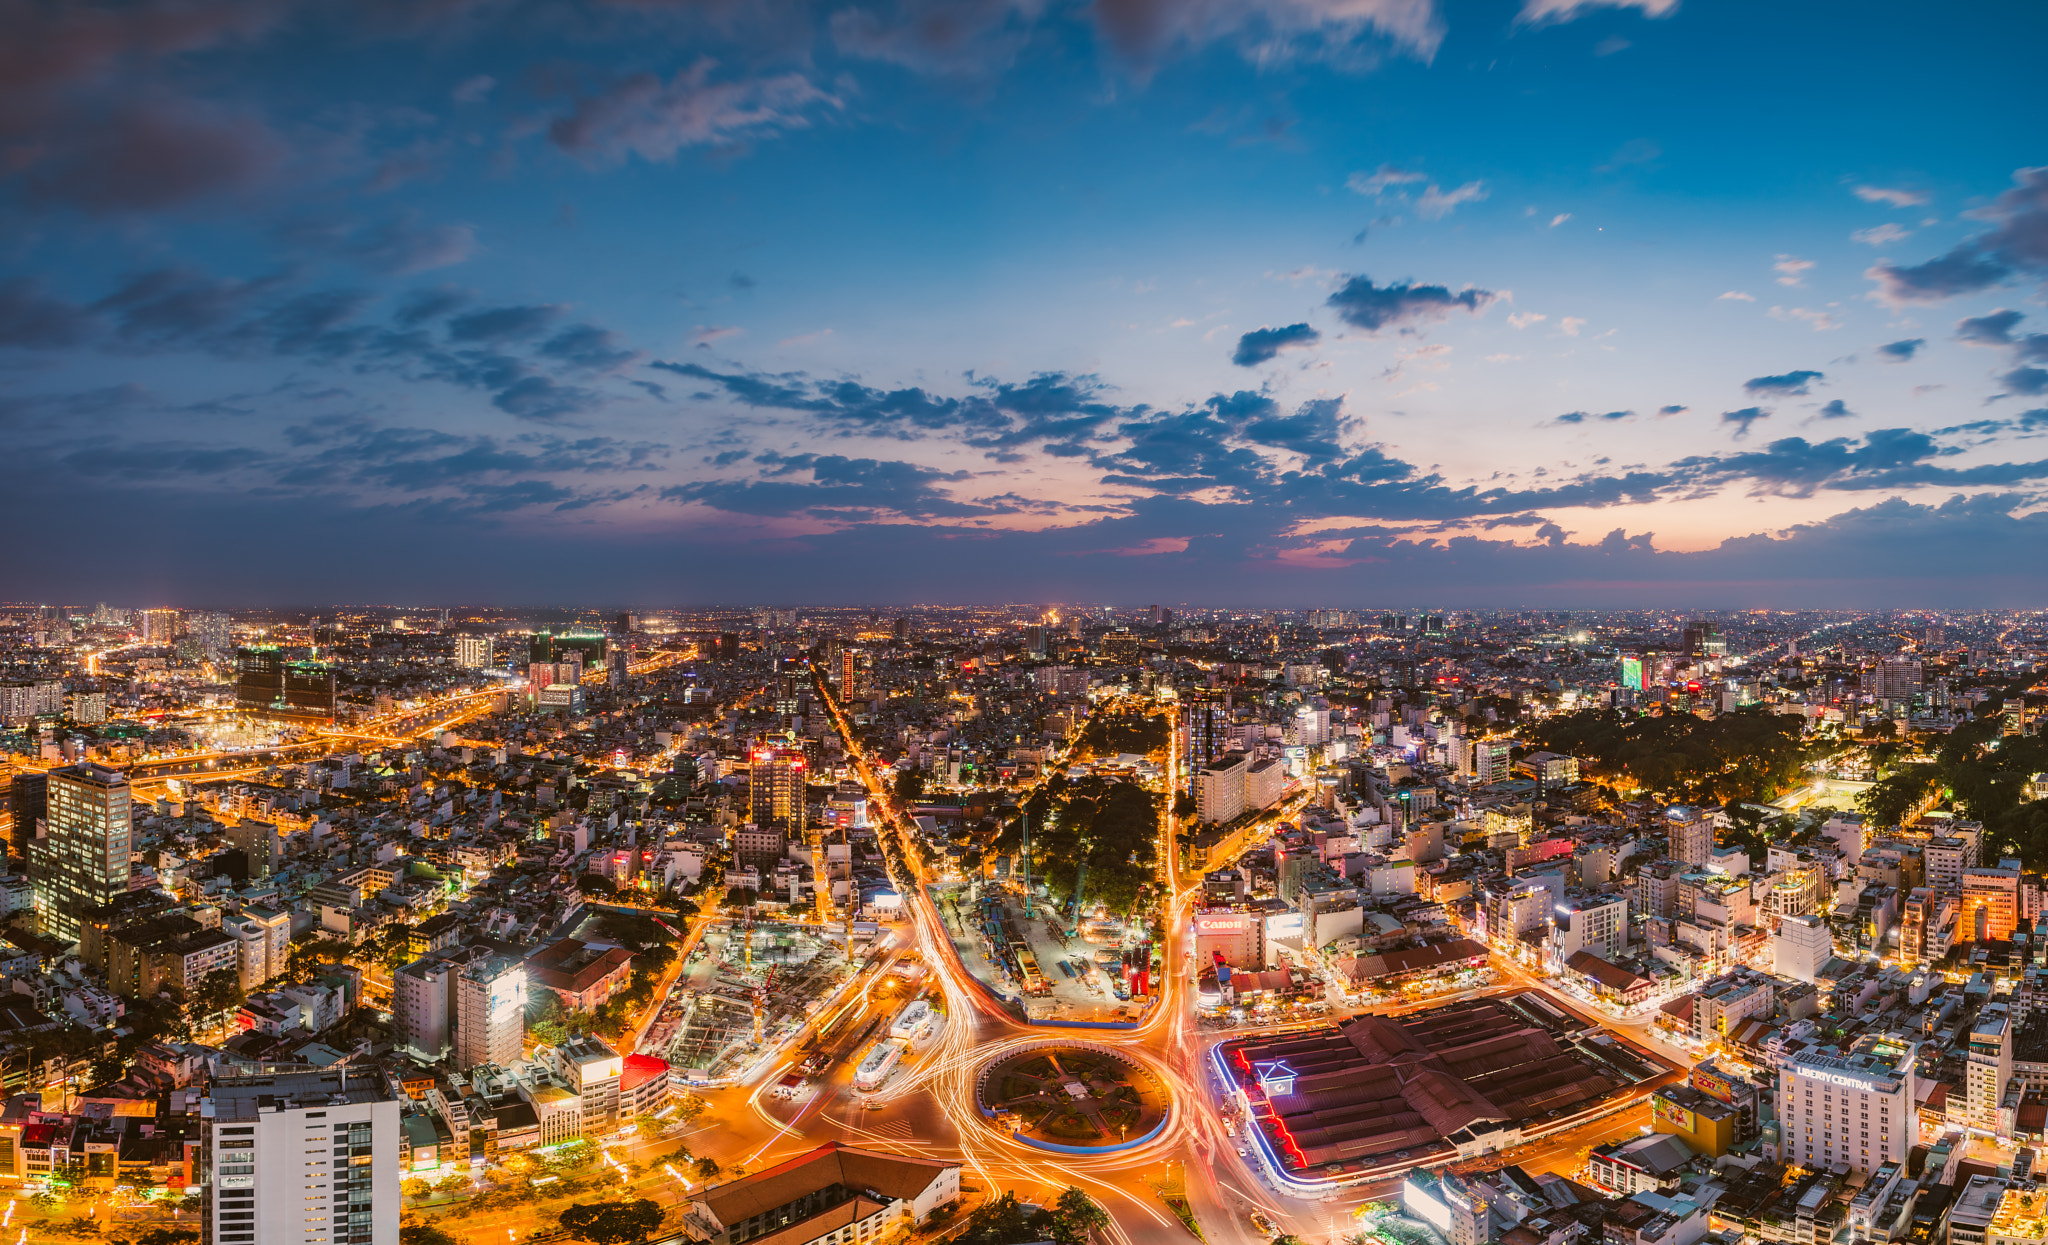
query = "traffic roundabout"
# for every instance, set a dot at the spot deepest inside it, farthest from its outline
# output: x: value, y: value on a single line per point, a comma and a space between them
x: 1073, y: 1097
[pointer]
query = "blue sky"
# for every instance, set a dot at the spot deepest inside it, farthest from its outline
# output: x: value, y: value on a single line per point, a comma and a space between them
x: 1280, y: 301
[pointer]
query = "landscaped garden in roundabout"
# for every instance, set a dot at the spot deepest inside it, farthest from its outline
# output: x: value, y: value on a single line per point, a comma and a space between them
x: 1072, y: 1095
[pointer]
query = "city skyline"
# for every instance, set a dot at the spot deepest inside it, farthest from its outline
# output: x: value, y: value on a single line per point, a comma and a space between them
x: 1538, y: 303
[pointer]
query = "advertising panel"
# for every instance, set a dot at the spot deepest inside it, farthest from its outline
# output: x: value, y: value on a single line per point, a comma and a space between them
x: 1226, y: 923
x: 1632, y: 672
x: 1666, y: 1112
x: 1714, y: 1085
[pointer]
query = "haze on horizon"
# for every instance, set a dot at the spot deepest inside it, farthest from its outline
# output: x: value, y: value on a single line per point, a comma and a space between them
x: 1587, y: 303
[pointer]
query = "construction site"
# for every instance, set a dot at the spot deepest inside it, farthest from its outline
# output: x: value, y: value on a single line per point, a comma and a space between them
x: 745, y: 990
x: 1051, y: 965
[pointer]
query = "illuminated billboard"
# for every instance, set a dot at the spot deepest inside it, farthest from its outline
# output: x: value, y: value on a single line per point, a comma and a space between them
x: 1632, y: 672
x: 1714, y: 1085
x: 1226, y: 923
x: 1668, y: 1113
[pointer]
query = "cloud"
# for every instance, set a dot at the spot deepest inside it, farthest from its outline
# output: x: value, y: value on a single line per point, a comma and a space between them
x: 2016, y: 245
x: 1144, y: 33
x: 1896, y: 198
x: 1559, y: 219
x: 421, y: 306
x: 32, y: 319
x: 840, y: 487
x: 1836, y: 409
x: 1736, y: 296
x: 2030, y: 381
x: 500, y: 324
x: 1264, y: 343
x: 589, y: 347
x: 1436, y: 204
x: 1673, y: 409
x: 1580, y: 417
x: 1634, y: 151
x: 474, y: 89
x: 1570, y: 326
x: 1902, y: 350
x: 405, y: 246
x: 1791, y: 269
x: 1402, y: 304
x: 949, y: 38
x: 1881, y: 235
x: 1993, y: 329
x: 1822, y: 321
x: 155, y: 155
x: 1789, y: 384
x: 644, y: 116
x: 1377, y: 182
x: 1545, y: 12
x: 1743, y: 418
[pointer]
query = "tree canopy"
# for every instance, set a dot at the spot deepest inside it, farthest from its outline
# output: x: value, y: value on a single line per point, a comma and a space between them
x: 612, y: 1223
x: 1746, y: 755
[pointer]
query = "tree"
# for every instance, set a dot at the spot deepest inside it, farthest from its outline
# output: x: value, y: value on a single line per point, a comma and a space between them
x: 1004, y: 1221
x: 186, y: 1236
x: 612, y: 1223
x: 910, y: 785
x: 219, y: 991
x: 417, y: 1234
x: 596, y: 885
x: 706, y: 1169
x: 1075, y: 1215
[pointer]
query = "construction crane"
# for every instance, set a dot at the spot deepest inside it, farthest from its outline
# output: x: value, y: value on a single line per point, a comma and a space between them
x: 1074, y: 909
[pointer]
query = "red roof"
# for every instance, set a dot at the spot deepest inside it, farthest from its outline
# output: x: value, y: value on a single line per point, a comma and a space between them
x: 639, y: 1069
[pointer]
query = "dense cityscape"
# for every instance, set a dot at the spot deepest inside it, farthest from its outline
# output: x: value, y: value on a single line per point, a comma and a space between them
x: 1019, y: 923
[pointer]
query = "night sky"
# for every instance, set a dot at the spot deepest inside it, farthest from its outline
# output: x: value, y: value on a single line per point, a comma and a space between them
x: 1281, y: 302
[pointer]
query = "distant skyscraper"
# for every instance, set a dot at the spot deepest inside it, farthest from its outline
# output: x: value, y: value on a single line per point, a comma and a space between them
x: 82, y: 859
x: 212, y: 629
x: 849, y: 674
x: 472, y: 652
x: 1896, y: 679
x: 159, y: 626
x: 899, y: 629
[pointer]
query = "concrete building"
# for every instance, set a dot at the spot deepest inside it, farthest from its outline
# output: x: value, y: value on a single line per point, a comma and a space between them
x: 589, y: 1068
x: 1595, y: 923
x: 1221, y: 788
x: 1854, y: 1112
x: 1728, y: 1000
x: 490, y: 1012
x: 82, y: 860
x: 421, y: 1007
x: 1989, y: 1069
x: 1801, y: 946
x: 1991, y: 903
x: 305, y: 1159
x: 1692, y: 835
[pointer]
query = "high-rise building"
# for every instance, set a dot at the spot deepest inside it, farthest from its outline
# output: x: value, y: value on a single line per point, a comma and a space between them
x: 1692, y: 835
x: 849, y: 674
x: 212, y: 629
x: 421, y: 994
x: 1802, y: 946
x: 1856, y: 1111
x: 1991, y: 903
x: 472, y: 652
x: 490, y: 1012
x: 1990, y: 1067
x: 1221, y: 789
x: 28, y: 801
x: 776, y: 792
x: 306, y: 1158
x: 1895, y: 679
x: 159, y: 626
x: 82, y: 859
x: 266, y: 938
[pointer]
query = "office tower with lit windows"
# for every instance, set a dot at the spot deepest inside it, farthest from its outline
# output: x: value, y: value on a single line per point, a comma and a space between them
x: 82, y: 859
x: 1855, y: 1111
x: 849, y: 674
x: 472, y: 652
x: 308, y: 1158
x: 776, y: 790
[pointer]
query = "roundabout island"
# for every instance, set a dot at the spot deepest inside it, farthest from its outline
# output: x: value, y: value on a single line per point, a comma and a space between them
x: 1073, y: 1097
